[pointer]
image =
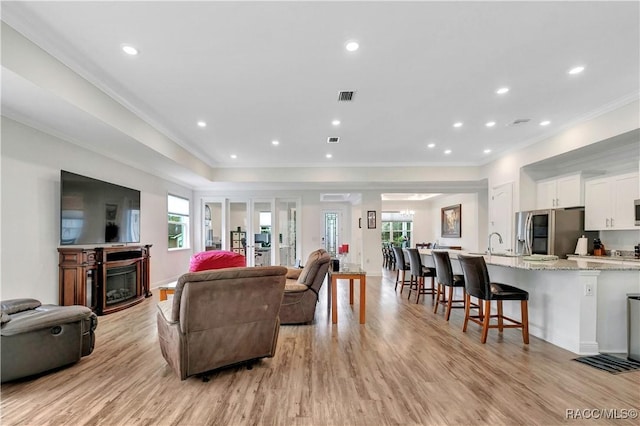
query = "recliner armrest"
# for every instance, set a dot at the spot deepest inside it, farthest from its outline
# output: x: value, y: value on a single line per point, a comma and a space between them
x: 293, y: 273
x: 13, y: 306
x: 44, y: 316
x: 164, y: 308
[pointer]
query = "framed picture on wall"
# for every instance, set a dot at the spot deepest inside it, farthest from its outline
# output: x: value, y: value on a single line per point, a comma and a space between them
x: 371, y: 219
x: 451, y: 219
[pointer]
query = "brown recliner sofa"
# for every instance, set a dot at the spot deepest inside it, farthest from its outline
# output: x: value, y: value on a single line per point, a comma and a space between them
x: 221, y: 317
x: 302, y: 289
x: 36, y: 338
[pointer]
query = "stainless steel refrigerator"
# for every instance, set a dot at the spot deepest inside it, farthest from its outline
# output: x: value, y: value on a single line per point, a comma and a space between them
x: 550, y: 231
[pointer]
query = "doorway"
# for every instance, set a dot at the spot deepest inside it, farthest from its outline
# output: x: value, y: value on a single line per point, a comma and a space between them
x: 265, y: 231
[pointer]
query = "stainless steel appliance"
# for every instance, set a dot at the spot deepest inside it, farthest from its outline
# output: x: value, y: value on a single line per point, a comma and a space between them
x: 637, y: 211
x: 550, y: 231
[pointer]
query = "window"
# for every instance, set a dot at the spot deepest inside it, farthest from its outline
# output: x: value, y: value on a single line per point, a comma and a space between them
x: 178, y: 216
x: 397, y: 229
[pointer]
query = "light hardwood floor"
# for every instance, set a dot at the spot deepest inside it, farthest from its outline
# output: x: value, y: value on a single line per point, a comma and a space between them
x: 406, y: 365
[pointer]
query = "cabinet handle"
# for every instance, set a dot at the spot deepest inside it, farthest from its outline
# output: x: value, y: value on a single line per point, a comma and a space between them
x: 607, y: 222
x: 612, y: 222
x: 557, y: 202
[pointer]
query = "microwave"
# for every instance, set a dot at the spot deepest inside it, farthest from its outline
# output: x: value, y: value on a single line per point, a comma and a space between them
x: 637, y: 211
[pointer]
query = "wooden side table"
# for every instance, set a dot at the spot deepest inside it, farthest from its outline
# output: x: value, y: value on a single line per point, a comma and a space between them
x: 348, y: 272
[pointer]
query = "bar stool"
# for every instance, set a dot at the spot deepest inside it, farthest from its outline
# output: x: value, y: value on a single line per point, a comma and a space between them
x: 446, y: 278
x: 401, y: 266
x: 478, y: 284
x: 391, y: 259
x: 418, y: 274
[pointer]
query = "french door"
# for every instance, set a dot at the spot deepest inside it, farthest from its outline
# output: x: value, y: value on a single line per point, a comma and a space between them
x: 265, y: 231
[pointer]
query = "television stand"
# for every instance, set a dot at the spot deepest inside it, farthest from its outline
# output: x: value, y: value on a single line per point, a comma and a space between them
x: 106, y: 279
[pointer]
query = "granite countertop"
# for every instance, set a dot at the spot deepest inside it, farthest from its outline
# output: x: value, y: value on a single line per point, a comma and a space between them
x: 624, y: 259
x: 574, y: 264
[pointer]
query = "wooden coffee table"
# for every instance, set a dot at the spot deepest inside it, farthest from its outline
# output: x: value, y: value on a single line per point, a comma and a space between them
x: 167, y: 289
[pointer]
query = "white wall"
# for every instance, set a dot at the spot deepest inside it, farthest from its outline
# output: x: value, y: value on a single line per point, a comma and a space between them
x: 31, y: 164
x: 472, y: 212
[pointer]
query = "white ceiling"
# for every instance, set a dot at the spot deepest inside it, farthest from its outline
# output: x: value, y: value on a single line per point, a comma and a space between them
x: 259, y: 71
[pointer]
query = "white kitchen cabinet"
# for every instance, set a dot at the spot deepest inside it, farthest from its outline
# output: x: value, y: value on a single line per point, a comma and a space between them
x: 609, y: 202
x: 565, y: 191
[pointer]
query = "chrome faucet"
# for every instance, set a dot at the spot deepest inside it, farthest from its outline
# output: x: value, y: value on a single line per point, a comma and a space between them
x: 499, y: 239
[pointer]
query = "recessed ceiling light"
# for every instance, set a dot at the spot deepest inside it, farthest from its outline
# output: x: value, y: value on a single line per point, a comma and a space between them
x: 336, y: 122
x: 233, y: 156
x: 275, y: 143
x: 447, y: 151
x: 545, y: 123
x: 431, y: 145
x: 458, y: 124
x: 129, y: 50
x: 576, y: 70
x: 352, y: 46
x: 487, y: 151
x: 202, y: 124
x: 328, y: 155
x: 502, y: 90
x: 490, y: 124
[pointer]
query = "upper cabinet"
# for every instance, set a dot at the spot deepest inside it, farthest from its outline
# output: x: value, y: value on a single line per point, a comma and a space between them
x: 560, y: 192
x: 609, y: 202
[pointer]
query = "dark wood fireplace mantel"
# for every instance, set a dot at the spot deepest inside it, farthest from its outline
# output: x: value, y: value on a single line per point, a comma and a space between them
x: 106, y: 279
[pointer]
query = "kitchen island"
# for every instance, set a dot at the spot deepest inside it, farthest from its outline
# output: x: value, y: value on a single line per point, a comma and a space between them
x: 576, y: 304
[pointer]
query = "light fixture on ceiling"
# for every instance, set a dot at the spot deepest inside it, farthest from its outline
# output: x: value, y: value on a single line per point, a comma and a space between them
x: 458, y: 124
x: 487, y: 151
x: 447, y: 151
x: 233, y: 156
x: 431, y: 145
x: 275, y: 143
x: 352, y: 45
x: 129, y: 50
x: 490, y: 124
x: 328, y: 155
x: 202, y: 123
x: 336, y: 122
x: 576, y: 70
x: 502, y: 90
x: 407, y: 212
x: 545, y: 123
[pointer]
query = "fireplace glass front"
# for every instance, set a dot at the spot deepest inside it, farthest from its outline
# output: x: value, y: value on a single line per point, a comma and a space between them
x: 121, y: 284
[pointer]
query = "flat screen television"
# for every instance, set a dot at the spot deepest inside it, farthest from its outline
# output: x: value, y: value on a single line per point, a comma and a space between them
x: 97, y: 212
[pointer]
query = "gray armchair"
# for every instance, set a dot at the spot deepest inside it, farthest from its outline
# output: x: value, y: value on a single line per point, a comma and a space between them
x: 36, y: 338
x: 302, y: 289
x: 221, y: 317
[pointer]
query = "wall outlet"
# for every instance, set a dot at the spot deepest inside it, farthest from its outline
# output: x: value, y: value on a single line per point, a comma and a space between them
x: 588, y: 290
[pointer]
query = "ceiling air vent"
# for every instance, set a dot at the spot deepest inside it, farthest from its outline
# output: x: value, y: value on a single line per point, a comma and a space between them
x: 333, y: 139
x: 519, y: 121
x: 345, y: 96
